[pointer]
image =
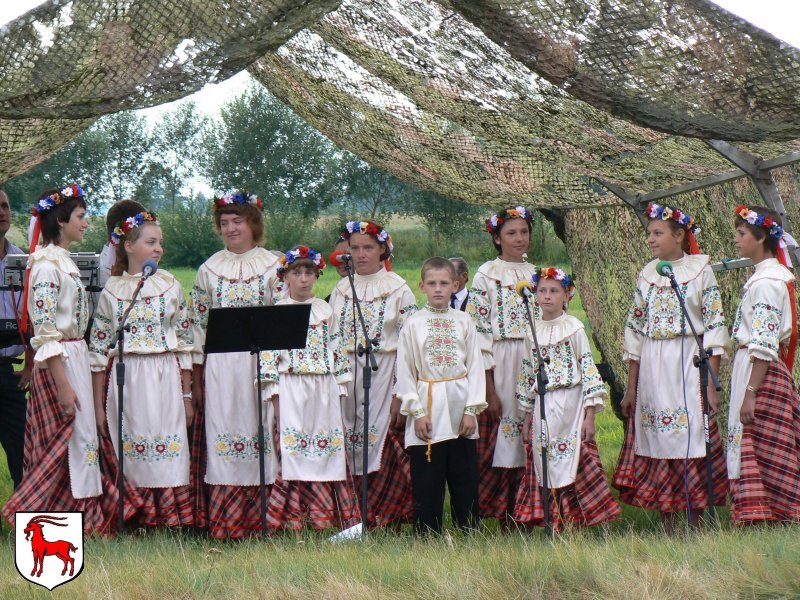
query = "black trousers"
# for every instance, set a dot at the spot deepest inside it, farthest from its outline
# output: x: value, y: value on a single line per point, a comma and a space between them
x: 12, y: 421
x: 455, y: 463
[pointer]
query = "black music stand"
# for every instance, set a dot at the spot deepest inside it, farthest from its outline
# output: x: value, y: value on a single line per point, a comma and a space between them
x: 254, y: 329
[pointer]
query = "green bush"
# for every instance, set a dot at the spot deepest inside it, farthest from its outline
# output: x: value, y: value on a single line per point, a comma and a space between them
x: 189, y: 235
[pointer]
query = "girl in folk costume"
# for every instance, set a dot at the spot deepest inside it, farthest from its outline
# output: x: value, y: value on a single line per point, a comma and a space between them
x: 575, y: 393
x: 158, y: 359
x: 662, y: 461
x: 306, y: 386
x: 226, y: 432
x: 386, y: 301
x: 764, y: 416
x: 61, y: 457
x: 502, y: 326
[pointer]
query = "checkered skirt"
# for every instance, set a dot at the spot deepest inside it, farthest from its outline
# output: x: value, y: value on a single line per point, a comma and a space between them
x: 768, y: 488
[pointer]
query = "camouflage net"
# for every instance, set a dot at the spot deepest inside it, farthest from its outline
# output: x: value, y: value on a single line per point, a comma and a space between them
x: 494, y: 102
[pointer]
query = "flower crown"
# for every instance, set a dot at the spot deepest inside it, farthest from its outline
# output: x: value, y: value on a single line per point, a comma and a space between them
x: 48, y: 202
x: 369, y: 228
x: 557, y: 274
x: 239, y: 197
x: 125, y: 226
x: 495, y: 221
x: 773, y: 228
x: 665, y: 213
x: 297, y: 253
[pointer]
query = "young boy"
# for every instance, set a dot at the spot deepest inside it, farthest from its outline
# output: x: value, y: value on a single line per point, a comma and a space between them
x: 441, y: 384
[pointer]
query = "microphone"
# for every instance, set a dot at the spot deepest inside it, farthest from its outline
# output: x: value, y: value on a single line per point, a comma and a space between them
x: 148, y: 268
x: 524, y: 288
x: 664, y: 268
x: 339, y: 258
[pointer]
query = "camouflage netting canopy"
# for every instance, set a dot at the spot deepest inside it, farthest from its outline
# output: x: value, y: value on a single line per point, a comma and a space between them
x: 550, y: 103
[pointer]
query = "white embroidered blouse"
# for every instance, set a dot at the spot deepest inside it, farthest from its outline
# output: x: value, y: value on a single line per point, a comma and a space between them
x: 494, y: 304
x: 57, y: 302
x: 764, y: 317
x: 564, y: 341
x: 160, y: 320
x: 321, y: 356
x: 230, y: 280
x: 656, y: 312
x: 386, y: 301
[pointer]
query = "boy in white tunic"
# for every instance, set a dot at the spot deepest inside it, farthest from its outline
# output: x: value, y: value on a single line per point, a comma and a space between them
x: 442, y: 386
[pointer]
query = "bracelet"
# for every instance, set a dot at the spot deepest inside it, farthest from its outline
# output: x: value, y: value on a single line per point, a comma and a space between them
x: 750, y: 388
x: 187, y: 395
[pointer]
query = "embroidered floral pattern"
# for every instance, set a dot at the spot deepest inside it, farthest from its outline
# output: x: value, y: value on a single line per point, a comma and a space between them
x: 735, y: 438
x: 562, y: 448
x: 147, y: 324
x: 511, y: 428
x: 526, y: 378
x: 374, y: 315
x: 441, y: 348
x: 320, y: 444
x: 637, y: 316
x: 155, y: 449
x: 664, y: 312
x: 664, y: 421
x: 45, y: 303
x: 201, y: 303
x: 561, y: 370
x: 766, y: 326
x: 354, y: 438
x: 240, y: 446
x: 479, y: 309
x: 314, y: 358
x: 590, y: 376
x: 90, y: 454
x: 713, y: 314
x: 511, y: 317
x: 241, y: 292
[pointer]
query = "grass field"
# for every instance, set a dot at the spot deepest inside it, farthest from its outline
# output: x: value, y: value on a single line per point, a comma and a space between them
x: 631, y: 558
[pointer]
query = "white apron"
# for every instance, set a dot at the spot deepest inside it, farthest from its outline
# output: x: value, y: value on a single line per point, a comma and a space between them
x: 509, y: 452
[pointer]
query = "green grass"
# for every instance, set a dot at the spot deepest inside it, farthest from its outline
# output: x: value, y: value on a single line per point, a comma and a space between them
x: 630, y: 558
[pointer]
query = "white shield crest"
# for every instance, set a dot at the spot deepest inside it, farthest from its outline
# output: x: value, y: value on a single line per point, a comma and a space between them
x: 48, y: 546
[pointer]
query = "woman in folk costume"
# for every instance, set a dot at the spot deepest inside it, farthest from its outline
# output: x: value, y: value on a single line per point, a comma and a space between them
x: 575, y: 393
x: 62, y: 471
x: 158, y: 370
x: 226, y: 430
x: 386, y: 302
x: 764, y: 415
x: 502, y: 325
x: 307, y: 386
x: 662, y: 461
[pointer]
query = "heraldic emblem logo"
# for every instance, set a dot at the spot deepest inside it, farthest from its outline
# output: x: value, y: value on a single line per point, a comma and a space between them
x: 48, y: 547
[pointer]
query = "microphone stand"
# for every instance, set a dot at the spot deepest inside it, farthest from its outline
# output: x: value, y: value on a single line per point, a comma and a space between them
x: 370, y: 365
x: 701, y: 361
x: 541, y: 386
x: 119, y: 339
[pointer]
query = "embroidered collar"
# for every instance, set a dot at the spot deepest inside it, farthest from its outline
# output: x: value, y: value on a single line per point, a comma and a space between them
x: 437, y: 311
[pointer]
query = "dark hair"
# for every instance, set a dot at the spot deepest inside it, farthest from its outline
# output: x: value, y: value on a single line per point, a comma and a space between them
x: 770, y: 243
x: 438, y: 262
x: 461, y: 265
x: 250, y: 212
x: 120, y: 211
x: 60, y: 213
x: 676, y: 227
x: 500, y: 228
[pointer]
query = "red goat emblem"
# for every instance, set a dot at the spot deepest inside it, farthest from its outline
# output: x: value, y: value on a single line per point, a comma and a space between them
x: 41, y: 547
x: 34, y: 545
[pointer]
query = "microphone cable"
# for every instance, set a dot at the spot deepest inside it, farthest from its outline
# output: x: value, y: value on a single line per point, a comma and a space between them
x: 688, y: 421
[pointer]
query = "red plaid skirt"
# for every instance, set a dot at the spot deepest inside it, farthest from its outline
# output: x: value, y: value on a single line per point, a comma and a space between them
x: 588, y: 501
x: 658, y: 483
x: 497, y: 487
x: 318, y: 504
x: 389, y: 489
x: 768, y: 488
x: 234, y: 511
x: 45, y: 483
x: 197, y: 466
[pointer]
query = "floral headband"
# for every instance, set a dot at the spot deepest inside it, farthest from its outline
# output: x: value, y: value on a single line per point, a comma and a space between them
x: 665, y: 213
x: 369, y: 228
x: 56, y: 198
x: 298, y: 253
x: 124, y: 227
x: 495, y: 221
x: 239, y: 197
x: 773, y: 228
x: 557, y: 274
